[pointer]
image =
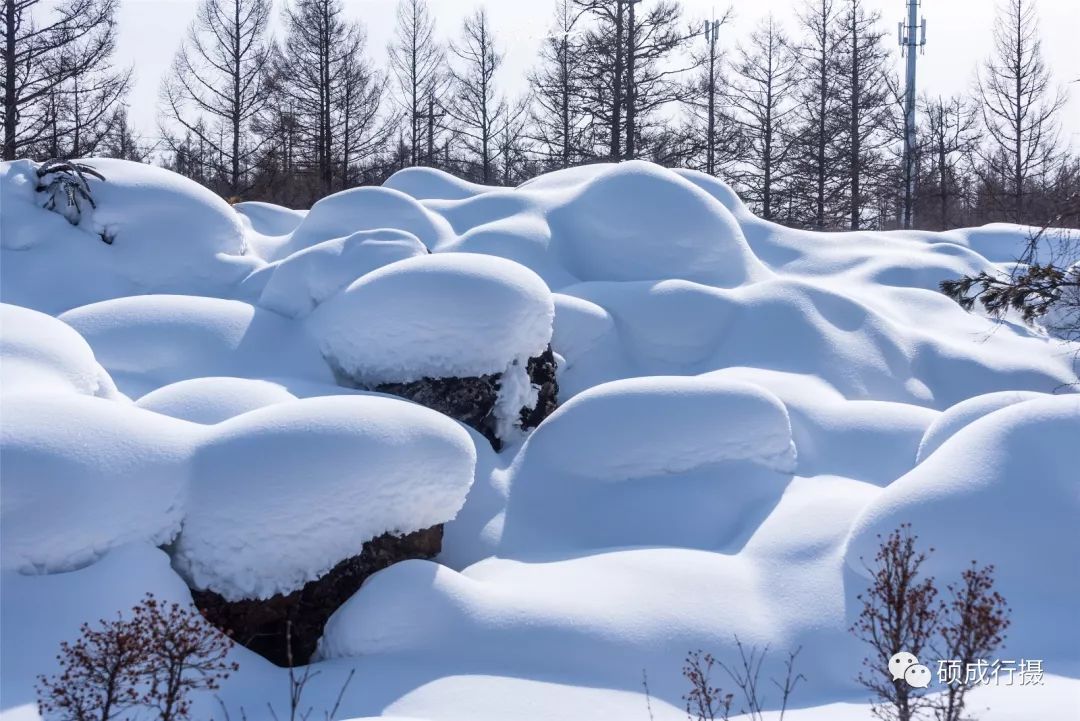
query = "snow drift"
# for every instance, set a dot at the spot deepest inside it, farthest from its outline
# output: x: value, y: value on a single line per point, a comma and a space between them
x: 743, y: 407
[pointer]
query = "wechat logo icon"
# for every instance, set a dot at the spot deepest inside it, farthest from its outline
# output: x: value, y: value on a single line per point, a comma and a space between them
x: 904, y: 665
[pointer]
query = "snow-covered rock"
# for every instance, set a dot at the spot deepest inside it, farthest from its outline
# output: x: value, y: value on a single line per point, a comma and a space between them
x: 678, y: 461
x: 963, y: 413
x: 664, y: 425
x: 636, y: 221
x: 308, y: 277
x: 211, y: 399
x: 146, y: 342
x: 368, y: 208
x: 1002, y: 490
x: 448, y: 315
x: 40, y: 354
x: 433, y: 184
x: 168, y: 235
x: 281, y: 494
x: 270, y: 219
x: 84, y: 475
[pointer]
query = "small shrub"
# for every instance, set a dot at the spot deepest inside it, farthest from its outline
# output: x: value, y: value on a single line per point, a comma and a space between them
x: 153, y: 659
x: 66, y: 184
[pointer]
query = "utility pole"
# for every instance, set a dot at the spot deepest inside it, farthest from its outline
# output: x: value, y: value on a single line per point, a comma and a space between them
x: 433, y: 114
x: 712, y: 30
x: 908, y: 35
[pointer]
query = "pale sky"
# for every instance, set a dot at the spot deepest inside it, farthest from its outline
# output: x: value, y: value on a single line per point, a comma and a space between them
x: 958, y: 39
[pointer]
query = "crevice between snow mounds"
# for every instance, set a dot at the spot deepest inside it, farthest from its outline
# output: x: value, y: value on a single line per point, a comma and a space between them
x: 465, y: 334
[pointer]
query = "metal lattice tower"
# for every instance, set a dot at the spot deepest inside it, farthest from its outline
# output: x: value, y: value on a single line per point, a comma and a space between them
x: 908, y: 33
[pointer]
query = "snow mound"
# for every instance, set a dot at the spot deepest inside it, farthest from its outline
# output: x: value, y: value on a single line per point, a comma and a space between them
x: 662, y: 425
x: 84, y: 475
x: 212, y: 400
x: 673, y: 461
x: 308, y: 277
x: 168, y: 235
x: 637, y: 221
x: 281, y: 494
x: 270, y: 219
x: 433, y: 184
x: 39, y: 354
x: 963, y: 413
x: 439, y: 316
x: 146, y: 342
x: 1001, y: 490
x: 368, y: 208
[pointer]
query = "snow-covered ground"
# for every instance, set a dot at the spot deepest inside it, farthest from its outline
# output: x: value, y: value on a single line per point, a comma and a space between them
x: 742, y: 408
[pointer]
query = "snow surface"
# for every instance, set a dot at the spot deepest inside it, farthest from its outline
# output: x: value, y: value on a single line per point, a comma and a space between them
x: 344, y: 213
x: 439, y: 316
x: 210, y: 400
x: 169, y: 235
x: 743, y: 407
x: 40, y: 354
x: 308, y: 277
x: 146, y: 342
x: 282, y: 494
x: 83, y: 475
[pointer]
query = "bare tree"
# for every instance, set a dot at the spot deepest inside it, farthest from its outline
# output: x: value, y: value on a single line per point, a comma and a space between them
x: 479, y: 110
x: 417, y: 62
x: 949, y: 138
x: 124, y: 142
x: 220, y: 76
x: 1019, y: 105
x: 817, y: 165
x: 762, y: 93
x: 863, y: 89
x: 559, y: 120
x: 333, y: 96
x: 706, y: 702
x: 44, y: 64
x: 81, y: 109
x: 712, y: 130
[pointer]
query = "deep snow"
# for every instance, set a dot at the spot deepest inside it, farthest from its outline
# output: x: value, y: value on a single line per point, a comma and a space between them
x: 743, y: 407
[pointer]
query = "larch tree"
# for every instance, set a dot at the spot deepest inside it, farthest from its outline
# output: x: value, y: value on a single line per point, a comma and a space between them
x: 631, y: 59
x: 816, y: 131
x: 949, y: 136
x: 364, y: 127
x: 123, y: 141
x: 559, y: 120
x: 478, y: 110
x: 220, y: 75
x: 318, y: 71
x: 417, y: 62
x: 762, y: 94
x: 863, y: 89
x: 58, y: 76
x: 1020, y: 106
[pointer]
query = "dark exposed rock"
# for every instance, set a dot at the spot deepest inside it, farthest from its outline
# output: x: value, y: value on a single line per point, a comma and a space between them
x: 542, y: 374
x: 472, y: 400
x: 469, y: 400
x: 260, y: 624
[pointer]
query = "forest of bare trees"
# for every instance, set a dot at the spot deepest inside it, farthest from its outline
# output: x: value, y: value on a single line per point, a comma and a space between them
x: 802, y: 116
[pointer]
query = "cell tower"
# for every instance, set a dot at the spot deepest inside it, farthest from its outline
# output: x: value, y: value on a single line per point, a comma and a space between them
x: 909, y: 37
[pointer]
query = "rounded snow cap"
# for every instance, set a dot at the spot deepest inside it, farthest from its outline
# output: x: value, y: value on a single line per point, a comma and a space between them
x: 447, y: 315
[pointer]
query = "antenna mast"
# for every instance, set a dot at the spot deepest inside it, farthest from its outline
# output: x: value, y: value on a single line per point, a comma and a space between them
x: 909, y: 36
